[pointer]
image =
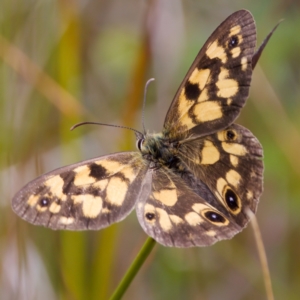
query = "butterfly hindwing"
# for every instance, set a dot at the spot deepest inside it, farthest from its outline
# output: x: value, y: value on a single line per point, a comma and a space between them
x: 229, y: 163
x: 177, y: 216
x: 87, y: 195
x: 217, y: 84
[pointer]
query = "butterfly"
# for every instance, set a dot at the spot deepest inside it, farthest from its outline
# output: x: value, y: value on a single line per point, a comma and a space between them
x: 193, y: 183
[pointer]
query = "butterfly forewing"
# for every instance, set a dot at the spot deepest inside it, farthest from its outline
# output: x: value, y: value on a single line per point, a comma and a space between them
x: 217, y: 84
x: 88, y: 195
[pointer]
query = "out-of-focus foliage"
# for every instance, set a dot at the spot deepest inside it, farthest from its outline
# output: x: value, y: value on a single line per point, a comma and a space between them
x: 67, y: 61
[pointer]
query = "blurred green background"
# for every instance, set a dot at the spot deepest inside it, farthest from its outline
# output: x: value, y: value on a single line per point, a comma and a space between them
x: 68, y: 61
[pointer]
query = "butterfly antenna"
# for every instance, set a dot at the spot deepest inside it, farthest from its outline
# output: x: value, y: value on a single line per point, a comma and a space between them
x: 104, y: 124
x: 144, y: 103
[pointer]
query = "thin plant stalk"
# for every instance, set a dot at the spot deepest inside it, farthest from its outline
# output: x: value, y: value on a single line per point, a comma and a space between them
x: 262, y: 256
x: 133, y: 269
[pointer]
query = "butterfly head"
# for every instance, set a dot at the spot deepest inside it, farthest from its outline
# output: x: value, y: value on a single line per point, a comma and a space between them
x: 157, y: 149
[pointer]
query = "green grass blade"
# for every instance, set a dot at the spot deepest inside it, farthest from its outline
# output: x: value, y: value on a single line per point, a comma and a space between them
x: 133, y: 269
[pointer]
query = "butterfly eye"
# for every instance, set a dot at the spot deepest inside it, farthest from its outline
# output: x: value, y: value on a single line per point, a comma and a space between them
x: 140, y: 143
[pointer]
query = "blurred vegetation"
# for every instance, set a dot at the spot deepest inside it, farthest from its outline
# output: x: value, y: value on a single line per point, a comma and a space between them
x: 68, y: 61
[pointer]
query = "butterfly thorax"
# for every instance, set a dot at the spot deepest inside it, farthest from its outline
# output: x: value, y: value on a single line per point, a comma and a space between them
x: 158, y: 149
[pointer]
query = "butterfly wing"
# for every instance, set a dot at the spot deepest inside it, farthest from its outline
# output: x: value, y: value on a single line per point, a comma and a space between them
x: 217, y: 84
x: 209, y: 200
x: 229, y: 163
x: 88, y: 195
x: 176, y: 214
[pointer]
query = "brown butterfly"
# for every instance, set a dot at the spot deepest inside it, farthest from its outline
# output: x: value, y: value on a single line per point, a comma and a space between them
x: 191, y: 184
